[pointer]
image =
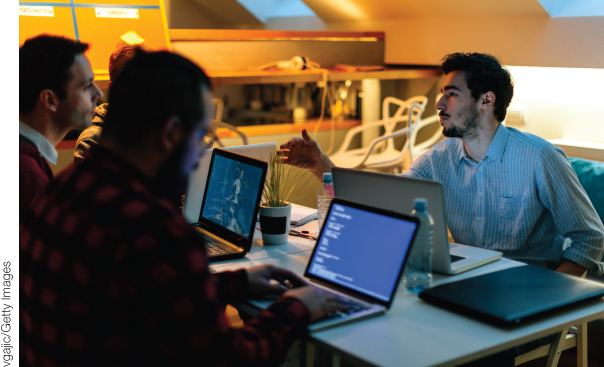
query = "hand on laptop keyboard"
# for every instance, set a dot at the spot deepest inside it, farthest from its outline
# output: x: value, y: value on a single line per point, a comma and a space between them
x: 268, y: 280
x: 319, y: 302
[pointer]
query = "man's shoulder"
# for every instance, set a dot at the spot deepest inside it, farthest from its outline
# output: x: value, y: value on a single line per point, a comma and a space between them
x: 92, y: 132
x: 28, y: 149
x: 529, y: 140
x: 31, y: 161
x: 448, y: 147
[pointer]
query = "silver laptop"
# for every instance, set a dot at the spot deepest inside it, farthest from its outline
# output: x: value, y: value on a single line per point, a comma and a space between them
x: 197, y: 178
x: 360, y: 255
x: 397, y: 193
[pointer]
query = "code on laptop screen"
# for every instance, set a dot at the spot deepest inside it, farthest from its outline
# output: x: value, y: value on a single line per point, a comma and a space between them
x: 233, y: 189
x: 361, y: 250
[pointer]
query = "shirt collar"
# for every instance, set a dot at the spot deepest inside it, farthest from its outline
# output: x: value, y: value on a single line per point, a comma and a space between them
x: 45, y: 148
x: 496, y: 149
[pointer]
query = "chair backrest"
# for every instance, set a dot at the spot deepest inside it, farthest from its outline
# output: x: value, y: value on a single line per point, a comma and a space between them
x: 217, y: 122
x: 591, y: 176
x: 416, y: 149
x: 408, y: 111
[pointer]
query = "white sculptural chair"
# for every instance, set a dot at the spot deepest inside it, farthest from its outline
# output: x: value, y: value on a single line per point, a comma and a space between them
x: 416, y: 149
x: 382, y: 150
x: 217, y: 122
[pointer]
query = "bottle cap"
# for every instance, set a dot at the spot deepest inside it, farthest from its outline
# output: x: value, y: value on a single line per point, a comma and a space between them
x: 327, y: 178
x: 420, y: 204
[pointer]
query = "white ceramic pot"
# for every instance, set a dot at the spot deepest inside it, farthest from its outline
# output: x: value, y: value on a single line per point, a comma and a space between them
x: 274, y: 224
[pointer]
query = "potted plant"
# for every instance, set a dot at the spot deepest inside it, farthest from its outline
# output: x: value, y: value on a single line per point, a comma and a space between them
x: 283, y: 182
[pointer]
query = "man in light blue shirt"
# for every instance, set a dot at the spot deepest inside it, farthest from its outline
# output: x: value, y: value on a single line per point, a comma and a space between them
x: 505, y: 190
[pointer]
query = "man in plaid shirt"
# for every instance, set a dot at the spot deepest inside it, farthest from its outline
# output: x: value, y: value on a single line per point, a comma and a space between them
x: 112, y: 275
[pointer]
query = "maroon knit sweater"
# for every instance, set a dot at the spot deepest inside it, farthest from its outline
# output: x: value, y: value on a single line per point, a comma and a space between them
x: 34, y: 174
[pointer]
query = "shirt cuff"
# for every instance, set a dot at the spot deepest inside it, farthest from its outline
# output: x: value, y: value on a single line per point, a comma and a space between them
x: 232, y: 285
x: 290, y: 311
x: 585, y: 261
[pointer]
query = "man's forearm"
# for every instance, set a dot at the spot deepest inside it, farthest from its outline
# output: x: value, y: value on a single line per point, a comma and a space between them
x: 323, y: 166
x: 571, y: 268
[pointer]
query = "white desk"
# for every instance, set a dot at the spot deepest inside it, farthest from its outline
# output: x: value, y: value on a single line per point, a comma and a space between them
x: 259, y: 251
x: 413, y: 332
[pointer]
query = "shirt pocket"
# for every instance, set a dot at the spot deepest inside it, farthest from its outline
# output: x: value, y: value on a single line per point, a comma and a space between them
x: 513, y: 221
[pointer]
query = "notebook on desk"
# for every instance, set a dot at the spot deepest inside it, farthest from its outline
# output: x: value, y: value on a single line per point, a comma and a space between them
x: 397, y: 193
x: 197, y: 178
x: 360, y: 256
x: 512, y: 295
x: 231, y: 200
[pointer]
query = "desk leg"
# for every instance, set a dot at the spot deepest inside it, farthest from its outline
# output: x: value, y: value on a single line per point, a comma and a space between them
x: 310, y: 354
x: 582, y: 345
x: 556, y: 349
x: 335, y: 360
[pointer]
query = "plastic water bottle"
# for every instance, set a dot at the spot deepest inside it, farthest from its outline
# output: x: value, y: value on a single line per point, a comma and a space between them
x: 324, y: 196
x: 418, y: 271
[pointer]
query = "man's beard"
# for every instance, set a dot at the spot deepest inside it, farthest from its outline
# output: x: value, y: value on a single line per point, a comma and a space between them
x: 170, y: 182
x: 469, y: 127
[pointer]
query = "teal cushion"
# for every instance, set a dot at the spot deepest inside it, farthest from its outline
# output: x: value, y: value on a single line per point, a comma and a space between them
x: 591, y: 177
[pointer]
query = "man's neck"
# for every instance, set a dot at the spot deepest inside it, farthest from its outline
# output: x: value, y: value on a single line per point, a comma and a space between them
x: 45, y: 126
x: 147, y: 162
x: 477, y: 145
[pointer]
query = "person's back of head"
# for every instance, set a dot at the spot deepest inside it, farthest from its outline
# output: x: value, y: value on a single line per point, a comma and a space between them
x: 122, y: 54
x: 483, y: 73
x: 152, y: 88
x: 44, y: 63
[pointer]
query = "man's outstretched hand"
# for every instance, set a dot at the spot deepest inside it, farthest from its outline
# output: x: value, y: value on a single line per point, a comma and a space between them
x: 305, y: 152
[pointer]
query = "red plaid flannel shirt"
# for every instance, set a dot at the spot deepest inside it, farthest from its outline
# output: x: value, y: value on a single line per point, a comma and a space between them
x: 112, y: 276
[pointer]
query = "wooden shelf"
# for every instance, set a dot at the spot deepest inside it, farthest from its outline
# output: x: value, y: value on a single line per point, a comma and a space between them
x: 291, y: 129
x: 196, y: 35
x: 261, y: 130
x: 238, y: 77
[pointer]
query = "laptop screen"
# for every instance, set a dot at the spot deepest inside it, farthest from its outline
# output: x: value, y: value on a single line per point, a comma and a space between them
x: 362, y: 250
x: 232, y: 194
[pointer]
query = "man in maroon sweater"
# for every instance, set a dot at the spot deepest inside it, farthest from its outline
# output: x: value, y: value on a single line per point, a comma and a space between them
x: 112, y: 274
x: 56, y: 94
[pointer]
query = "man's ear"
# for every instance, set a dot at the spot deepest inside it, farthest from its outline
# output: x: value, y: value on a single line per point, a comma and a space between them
x: 49, y: 100
x: 171, y: 134
x: 488, y: 100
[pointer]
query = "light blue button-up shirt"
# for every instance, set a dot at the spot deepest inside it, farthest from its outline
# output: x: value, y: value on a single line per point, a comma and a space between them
x: 522, y: 199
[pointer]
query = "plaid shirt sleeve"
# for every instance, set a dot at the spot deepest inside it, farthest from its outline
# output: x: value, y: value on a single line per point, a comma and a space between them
x: 125, y: 281
x: 185, y: 303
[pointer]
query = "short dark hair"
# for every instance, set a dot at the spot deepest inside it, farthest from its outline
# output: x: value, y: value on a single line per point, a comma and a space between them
x: 122, y: 50
x: 152, y: 87
x: 44, y: 63
x: 483, y: 73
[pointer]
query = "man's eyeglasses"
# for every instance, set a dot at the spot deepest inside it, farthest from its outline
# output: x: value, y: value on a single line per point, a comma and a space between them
x: 207, y: 140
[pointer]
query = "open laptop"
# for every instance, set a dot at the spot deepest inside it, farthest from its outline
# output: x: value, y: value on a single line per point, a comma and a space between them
x: 197, y: 178
x: 512, y: 295
x: 397, y: 193
x: 227, y: 218
x: 360, y: 255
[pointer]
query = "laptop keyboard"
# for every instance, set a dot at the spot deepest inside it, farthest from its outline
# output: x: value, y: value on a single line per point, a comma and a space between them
x: 455, y: 258
x: 215, y: 248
